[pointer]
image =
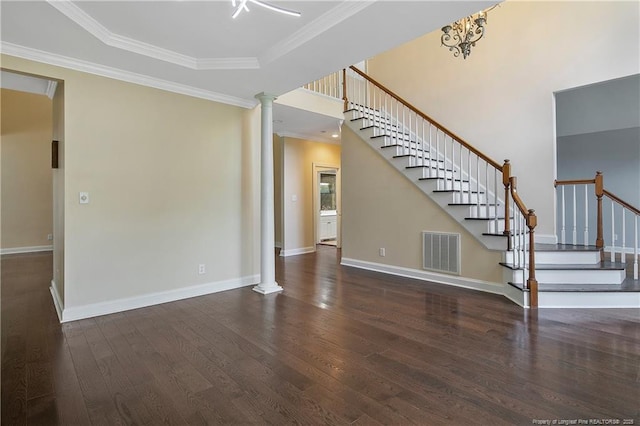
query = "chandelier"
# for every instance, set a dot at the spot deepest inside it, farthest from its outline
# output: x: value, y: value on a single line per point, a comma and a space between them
x: 241, y: 5
x: 463, y: 34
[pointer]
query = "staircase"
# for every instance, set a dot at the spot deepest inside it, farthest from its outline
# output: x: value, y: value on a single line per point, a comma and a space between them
x: 468, y: 187
x: 481, y: 195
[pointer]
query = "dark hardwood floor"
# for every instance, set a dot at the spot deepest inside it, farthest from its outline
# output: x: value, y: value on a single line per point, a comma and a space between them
x: 338, y: 346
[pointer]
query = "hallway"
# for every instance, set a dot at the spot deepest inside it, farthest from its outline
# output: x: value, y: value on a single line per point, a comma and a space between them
x: 338, y: 346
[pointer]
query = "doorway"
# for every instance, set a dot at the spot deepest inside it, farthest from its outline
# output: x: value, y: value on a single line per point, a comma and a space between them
x: 326, y: 188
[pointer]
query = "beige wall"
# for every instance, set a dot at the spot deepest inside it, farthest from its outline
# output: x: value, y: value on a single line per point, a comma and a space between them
x: 172, y: 182
x: 298, y: 219
x: 501, y: 98
x: 382, y: 209
x: 27, y: 212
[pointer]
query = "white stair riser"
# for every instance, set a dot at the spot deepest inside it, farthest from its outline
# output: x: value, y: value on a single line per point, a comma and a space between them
x: 552, y: 299
x: 572, y: 276
x: 561, y: 257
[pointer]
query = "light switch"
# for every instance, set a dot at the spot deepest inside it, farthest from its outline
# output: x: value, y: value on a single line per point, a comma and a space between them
x: 294, y: 198
x: 84, y: 198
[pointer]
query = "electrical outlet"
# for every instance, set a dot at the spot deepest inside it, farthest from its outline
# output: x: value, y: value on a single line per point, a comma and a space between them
x: 382, y: 252
x: 84, y: 197
x: 201, y: 269
x: 50, y: 237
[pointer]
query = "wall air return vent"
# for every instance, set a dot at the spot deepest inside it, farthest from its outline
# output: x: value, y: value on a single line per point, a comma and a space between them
x: 441, y: 252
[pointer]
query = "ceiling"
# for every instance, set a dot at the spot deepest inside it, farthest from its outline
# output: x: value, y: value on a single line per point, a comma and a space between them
x: 196, y: 48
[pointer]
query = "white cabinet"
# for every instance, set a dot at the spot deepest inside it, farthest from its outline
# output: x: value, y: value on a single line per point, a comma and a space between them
x: 328, y: 227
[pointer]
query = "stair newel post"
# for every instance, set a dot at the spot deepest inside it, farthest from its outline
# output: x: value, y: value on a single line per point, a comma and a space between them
x: 532, y: 283
x: 344, y: 89
x: 506, y: 179
x: 599, y: 187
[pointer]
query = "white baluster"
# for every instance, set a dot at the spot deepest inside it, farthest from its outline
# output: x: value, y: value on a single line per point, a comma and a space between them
x: 468, y: 189
x: 495, y: 201
x: 562, y: 228
x: 438, y: 154
x: 477, y: 185
x: 586, y: 215
x: 613, y: 235
x: 623, y: 254
x: 486, y: 188
x: 575, y: 225
x: 635, y: 248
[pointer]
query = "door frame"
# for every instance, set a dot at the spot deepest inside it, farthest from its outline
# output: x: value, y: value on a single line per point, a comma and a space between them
x: 317, y: 169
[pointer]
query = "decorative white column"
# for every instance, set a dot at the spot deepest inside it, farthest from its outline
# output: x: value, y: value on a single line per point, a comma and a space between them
x: 268, y: 282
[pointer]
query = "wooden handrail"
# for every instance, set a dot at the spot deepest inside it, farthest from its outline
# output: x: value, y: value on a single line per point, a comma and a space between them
x: 556, y: 183
x: 621, y: 201
x: 429, y: 119
x: 516, y: 197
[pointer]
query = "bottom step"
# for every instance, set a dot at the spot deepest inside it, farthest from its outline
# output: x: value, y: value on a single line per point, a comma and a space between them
x: 625, y: 295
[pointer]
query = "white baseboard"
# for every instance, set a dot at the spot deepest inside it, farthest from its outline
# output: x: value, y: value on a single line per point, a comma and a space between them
x: 546, y: 239
x: 126, y: 304
x: 295, y: 252
x: 486, y: 286
x: 57, y: 300
x: 32, y: 249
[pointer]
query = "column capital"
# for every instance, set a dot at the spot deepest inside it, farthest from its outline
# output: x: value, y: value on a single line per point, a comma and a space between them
x: 264, y: 96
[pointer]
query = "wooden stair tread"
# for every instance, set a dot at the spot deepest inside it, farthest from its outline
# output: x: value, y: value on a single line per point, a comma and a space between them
x: 492, y: 234
x: 458, y: 191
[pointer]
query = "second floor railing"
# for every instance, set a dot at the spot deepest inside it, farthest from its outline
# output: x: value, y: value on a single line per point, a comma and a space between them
x: 584, y: 220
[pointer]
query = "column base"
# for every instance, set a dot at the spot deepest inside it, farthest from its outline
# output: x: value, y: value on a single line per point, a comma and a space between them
x: 269, y: 288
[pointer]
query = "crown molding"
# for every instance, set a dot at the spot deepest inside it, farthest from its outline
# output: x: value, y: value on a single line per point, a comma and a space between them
x: 51, y: 89
x: 122, y: 75
x: 99, y: 31
x: 316, y: 27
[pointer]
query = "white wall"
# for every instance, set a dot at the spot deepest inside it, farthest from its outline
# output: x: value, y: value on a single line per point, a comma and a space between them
x: 501, y: 98
x: 173, y: 183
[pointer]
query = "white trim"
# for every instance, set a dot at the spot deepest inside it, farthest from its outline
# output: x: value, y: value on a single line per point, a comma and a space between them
x: 96, y: 29
x: 297, y: 251
x: 120, y: 305
x: 314, y: 28
x: 118, y: 74
x: 57, y: 300
x: 51, y: 88
x: 32, y: 249
x: 546, y: 238
x: 464, y: 282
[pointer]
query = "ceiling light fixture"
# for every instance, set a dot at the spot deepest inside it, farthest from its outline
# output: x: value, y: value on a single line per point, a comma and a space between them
x: 463, y: 34
x: 241, y: 5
